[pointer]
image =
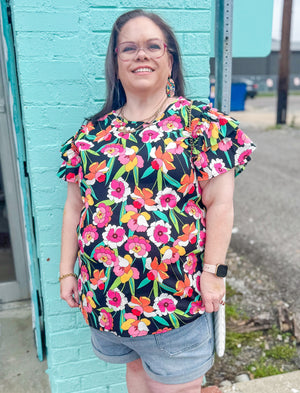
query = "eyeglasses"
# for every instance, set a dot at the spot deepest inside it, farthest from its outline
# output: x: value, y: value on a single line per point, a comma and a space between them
x: 128, y: 50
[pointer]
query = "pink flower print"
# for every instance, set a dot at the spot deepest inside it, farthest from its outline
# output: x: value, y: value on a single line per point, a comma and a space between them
x: 196, y: 282
x: 181, y: 102
x: 165, y: 304
x: 80, y: 244
x: 159, y: 232
x: 113, y: 150
x: 105, y: 255
x: 151, y: 134
x: 83, y: 145
x: 193, y: 210
x: 225, y: 144
x: 138, y: 246
x: 118, y: 190
x: 217, y: 166
x: 134, y: 326
x: 130, y: 159
x: 118, y: 123
x: 79, y: 285
x: 105, y: 319
x: 84, y: 274
x: 166, y: 199
x: 241, y: 155
x: 197, y: 307
x: 102, y: 216
x: 171, y: 254
x: 89, y: 235
x: 116, y: 300
x: 171, y: 123
x: 175, y: 147
x: 202, y: 160
x: 135, y: 221
x: 114, y: 236
x: 75, y: 160
x: 124, y: 269
x: 88, y: 302
x: 242, y: 137
x: 202, y: 239
x: 184, y: 288
x: 190, y: 265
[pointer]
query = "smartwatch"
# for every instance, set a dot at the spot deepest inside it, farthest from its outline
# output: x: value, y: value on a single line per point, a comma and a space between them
x: 218, y: 270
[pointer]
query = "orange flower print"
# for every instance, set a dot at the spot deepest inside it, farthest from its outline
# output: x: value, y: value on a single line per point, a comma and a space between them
x: 162, y: 161
x: 135, y: 326
x: 188, y: 184
x: 140, y: 306
x: 103, y: 135
x: 184, y: 288
x: 190, y: 235
x: 86, y: 128
x: 143, y: 198
x: 171, y: 254
x: 157, y: 270
x: 98, y: 281
x: 124, y: 269
x: 96, y: 172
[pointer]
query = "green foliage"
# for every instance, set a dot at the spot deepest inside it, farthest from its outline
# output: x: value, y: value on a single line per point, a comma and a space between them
x: 284, y: 352
x: 260, y: 369
x: 235, y: 341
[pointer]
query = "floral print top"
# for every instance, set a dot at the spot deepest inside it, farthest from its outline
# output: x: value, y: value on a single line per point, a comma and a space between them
x: 141, y: 234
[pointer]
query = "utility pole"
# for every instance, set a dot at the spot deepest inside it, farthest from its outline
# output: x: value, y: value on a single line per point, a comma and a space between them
x: 284, y: 62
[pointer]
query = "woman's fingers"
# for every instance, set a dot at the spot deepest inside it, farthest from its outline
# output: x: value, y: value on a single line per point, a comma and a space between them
x: 69, y: 292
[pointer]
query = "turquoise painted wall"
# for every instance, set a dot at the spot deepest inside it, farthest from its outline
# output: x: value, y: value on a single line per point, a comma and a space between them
x: 60, y: 49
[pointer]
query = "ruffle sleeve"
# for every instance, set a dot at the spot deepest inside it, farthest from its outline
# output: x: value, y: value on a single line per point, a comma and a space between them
x: 70, y: 168
x: 217, y: 143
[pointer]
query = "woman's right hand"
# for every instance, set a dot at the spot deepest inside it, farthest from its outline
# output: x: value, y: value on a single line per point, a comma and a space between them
x: 69, y: 291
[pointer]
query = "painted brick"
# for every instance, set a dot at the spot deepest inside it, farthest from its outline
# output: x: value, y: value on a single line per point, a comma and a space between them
x: 46, y: 21
x: 45, y: 45
x: 67, y: 118
x: 49, y: 71
x: 86, y: 352
x: 58, y: 324
x: 81, y: 368
x: 94, y: 390
x: 55, y: 93
x: 102, y: 20
x: 63, y: 385
x: 154, y: 4
x: 64, y: 355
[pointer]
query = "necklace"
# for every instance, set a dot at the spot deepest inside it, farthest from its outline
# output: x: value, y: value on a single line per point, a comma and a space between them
x: 148, y: 121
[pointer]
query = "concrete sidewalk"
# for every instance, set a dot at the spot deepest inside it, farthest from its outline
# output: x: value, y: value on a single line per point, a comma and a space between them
x: 22, y: 372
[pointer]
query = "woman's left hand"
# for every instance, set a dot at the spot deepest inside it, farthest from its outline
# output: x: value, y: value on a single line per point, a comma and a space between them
x: 212, y: 291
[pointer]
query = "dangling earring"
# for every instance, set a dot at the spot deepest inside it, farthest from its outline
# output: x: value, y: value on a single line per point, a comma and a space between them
x: 170, y: 88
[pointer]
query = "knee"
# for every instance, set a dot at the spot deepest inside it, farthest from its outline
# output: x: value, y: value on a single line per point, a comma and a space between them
x: 135, y: 366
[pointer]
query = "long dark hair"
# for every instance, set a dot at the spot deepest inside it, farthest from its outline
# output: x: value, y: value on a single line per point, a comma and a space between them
x: 115, y: 94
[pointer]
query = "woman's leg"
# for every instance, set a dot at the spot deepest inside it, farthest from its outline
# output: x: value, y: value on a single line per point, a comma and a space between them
x: 136, y: 377
x: 138, y: 381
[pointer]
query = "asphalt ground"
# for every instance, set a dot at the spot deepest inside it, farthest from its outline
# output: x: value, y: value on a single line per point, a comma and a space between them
x: 267, y: 196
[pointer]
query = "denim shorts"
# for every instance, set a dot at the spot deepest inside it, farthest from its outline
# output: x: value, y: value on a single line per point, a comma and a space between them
x: 178, y: 356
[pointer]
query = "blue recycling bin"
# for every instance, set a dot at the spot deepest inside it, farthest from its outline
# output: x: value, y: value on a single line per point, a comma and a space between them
x: 238, y: 96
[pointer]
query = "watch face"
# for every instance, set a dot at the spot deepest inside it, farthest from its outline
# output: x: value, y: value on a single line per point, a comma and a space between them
x: 222, y: 270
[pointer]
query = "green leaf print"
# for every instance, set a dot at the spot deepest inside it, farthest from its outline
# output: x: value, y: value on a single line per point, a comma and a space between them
x: 172, y: 181
x: 120, y: 172
x: 144, y: 283
x: 155, y: 288
x: 132, y: 286
x: 161, y: 215
x: 174, y: 220
x: 136, y: 175
x: 174, y: 320
x: 116, y: 283
x: 83, y: 156
x: 107, y: 202
x: 159, y: 180
x: 148, y: 172
x: 161, y: 320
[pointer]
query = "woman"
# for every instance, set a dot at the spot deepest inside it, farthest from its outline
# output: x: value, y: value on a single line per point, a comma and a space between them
x: 150, y: 192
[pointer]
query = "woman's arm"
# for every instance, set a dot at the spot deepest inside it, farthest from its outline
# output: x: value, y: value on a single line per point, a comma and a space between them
x: 217, y: 196
x: 69, y: 244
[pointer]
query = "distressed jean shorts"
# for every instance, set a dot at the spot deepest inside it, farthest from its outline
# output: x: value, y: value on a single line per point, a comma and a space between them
x: 178, y: 356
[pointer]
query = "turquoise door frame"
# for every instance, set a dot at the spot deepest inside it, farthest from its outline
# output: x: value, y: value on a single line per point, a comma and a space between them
x: 22, y: 184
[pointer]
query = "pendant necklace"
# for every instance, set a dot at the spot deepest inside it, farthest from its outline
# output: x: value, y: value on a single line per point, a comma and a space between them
x: 146, y: 122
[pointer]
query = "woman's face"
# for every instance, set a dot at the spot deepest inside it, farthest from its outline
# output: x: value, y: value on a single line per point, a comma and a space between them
x: 143, y: 74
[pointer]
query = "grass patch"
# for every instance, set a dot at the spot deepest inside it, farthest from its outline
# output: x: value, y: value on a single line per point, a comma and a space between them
x: 235, y: 341
x: 283, y: 351
x: 230, y: 291
x: 260, y: 369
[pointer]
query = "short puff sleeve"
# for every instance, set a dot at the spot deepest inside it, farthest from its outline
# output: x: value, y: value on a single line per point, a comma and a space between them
x: 70, y: 169
x: 218, y: 144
